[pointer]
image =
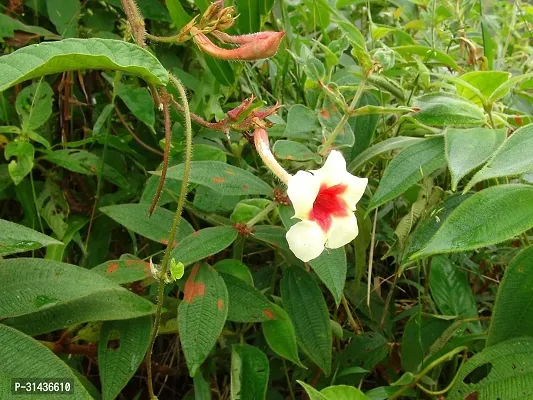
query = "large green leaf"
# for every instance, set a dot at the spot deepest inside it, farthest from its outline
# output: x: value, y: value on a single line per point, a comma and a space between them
x: 117, y: 365
x: 450, y: 288
x: 246, y: 303
x: 204, y: 243
x: 201, y: 314
x: 445, y: 109
x: 64, y: 15
x: 513, y: 158
x: 156, y: 227
x: 24, y: 357
x: 34, y: 105
x: 513, y: 311
x: 280, y: 335
x: 49, y: 296
x: 407, y: 168
x: 502, y: 371
x: 249, y: 373
x: 485, y: 81
x: 74, y: 54
x: 398, y: 142
x: 302, y: 122
x: 293, y: 151
x: 222, y: 178
x: 488, y: 217
x: 83, y: 162
x: 467, y: 149
x: 331, y: 267
x: 15, y: 238
x: 305, y: 304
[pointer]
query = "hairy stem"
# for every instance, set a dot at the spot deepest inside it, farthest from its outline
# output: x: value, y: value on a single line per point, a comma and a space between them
x: 175, y: 222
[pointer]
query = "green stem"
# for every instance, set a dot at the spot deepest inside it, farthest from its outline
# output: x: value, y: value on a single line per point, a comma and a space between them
x: 426, y: 370
x: 262, y: 214
x: 345, y: 117
x: 289, y: 384
x: 175, y: 221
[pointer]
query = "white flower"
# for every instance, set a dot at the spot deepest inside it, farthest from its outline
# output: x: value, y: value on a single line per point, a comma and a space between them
x: 324, y: 200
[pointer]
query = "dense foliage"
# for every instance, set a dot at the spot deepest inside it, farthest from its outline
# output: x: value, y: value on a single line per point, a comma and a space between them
x: 148, y: 239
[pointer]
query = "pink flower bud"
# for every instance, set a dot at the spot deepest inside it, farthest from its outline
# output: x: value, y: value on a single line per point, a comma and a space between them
x: 262, y: 146
x: 253, y: 47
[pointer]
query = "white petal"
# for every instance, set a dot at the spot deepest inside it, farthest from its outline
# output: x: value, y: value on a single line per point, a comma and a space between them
x: 333, y: 170
x: 342, y: 231
x: 306, y: 240
x: 355, y: 188
x: 302, y: 189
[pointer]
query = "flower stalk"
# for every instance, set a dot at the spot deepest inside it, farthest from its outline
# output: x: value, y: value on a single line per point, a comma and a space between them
x: 263, y: 149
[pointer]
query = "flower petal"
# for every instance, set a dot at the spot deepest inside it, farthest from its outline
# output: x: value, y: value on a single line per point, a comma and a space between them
x: 306, y: 240
x: 355, y: 188
x: 333, y: 170
x: 302, y: 189
x: 343, y: 230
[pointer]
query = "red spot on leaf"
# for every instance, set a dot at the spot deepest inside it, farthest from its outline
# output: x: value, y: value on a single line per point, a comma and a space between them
x: 324, y: 113
x: 245, y: 187
x: 220, y: 304
x: 216, y: 179
x: 268, y: 313
x: 230, y: 172
x: 518, y: 120
x: 196, y: 233
x: 112, y: 267
x: 92, y: 168
x: 192, y: 288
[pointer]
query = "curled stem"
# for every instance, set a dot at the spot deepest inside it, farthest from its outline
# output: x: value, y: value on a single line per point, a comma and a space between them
x: 175, y: 223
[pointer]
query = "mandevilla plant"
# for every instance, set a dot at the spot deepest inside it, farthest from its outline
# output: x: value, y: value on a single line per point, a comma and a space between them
x: 267, y: 199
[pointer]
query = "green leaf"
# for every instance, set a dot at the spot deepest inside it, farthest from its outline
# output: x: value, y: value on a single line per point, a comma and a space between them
x: 280, y: 335
x: 513, y: 158
x: 366, y: 350
x: 407, y: 168
x: 222, y: 178
x: 273, y: 235
x: 512, y: 312
x: 222, y: 70
x: 467, y: 149
x: 249, y: 373
x: 445, y: 109
x: 249, y: 20
x: 331, y: 267
x: 73, y: 54
x: 64, y: 15
x: 8, y: 27
x: 204, y: 243
x: 428, y: 53
x: 485, y: 81
x: 49, y: 296
x: 419, y: 334
x: 156, y: 227
x: 127, y: 269
x: 234, y: 268
x: 450, y: 288
x: 24, y: 357
x: 24, y: 152
x: 293, y: 151
x: 139, y: 101
x: 117, y: 365
x: 34, y: 105
x: 302, y: 122
x: 502, y: 371
x: 312, y: 392
x: 488, y: 217
x: 201, y: 314
x: 305, y: 304
x: 343, y: 392
x: 246, y: 303
x: 83, y: 162
x: 399, y: 142
x: 364, y: 126
x: 179, y: 16
x: 15, y: 238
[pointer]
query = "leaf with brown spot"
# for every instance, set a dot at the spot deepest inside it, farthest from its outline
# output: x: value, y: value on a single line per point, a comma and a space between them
x: 127, y: 269
x: 201, y: 314
x: 246, y: 303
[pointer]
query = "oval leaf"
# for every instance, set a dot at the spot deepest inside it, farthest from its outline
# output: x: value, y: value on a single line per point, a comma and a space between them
x: 221, y: 177
x: 305, y: 304
x: 331, y: 267
x: 280, y: 335
x: 249, y: 373
x: 127, y: 269
x: 201, y: 314
x: 407, y: 168
x: 117, y: 365
x: 204, y: 243
x: 428, y: 53
x: 444, y: 109
x: 485, y: 81
x: 74, y: 54
x: 24, y: 357
x: 246, y: 303
x: 488, y: 217
x: 293, y: 151
x: 15, y: 238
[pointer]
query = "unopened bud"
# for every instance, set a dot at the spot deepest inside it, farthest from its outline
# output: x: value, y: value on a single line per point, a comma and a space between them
x: 263, y: 149
x: 235, y: 113
x: 253, y: 47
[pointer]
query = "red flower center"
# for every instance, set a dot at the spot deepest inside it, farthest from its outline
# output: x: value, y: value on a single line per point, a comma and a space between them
x: 328, y: 204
